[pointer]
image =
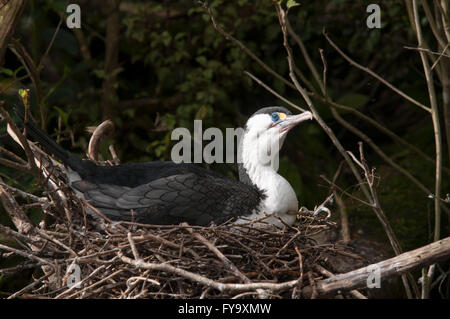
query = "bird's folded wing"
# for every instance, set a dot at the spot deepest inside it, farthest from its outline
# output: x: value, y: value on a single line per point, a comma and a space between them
x: 197, y: 199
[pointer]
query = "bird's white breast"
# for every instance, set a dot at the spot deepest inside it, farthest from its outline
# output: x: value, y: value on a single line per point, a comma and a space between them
x: 280, y: 198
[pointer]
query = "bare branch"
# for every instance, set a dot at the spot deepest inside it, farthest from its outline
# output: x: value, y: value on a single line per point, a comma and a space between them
x: 426, y: 255
x: 376, y: 76
x: 104, y: 129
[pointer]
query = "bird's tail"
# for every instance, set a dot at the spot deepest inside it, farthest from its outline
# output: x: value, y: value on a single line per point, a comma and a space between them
x: 49, y: 145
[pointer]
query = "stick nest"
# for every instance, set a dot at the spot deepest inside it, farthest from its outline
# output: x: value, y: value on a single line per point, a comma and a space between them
x: 88, y: 258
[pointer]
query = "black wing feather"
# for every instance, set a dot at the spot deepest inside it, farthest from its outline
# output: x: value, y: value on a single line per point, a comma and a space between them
x: 190, y: 197
x: 155, y: 192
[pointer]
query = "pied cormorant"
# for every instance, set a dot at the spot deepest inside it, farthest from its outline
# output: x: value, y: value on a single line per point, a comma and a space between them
x: 166, y: 193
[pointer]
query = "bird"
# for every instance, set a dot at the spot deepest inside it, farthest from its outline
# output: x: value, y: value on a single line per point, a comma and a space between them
x: 169, y: 193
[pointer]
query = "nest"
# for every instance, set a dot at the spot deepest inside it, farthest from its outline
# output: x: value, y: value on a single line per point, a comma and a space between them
x: 87, y: 258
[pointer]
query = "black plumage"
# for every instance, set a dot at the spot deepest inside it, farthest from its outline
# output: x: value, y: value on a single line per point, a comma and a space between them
x: 167, y: 193
x: 157, y: 192
x: 175, y: 193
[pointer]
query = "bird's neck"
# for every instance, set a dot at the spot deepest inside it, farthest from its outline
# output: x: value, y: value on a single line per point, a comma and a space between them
x: 252, y: 169
x: 280, y: 197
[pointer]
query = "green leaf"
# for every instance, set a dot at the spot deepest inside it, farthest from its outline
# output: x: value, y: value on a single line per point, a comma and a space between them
x: 100, y: 73
x: 6, y: 71
x: 201, y: 60
x: 25, y: 95
x: 166, y: 38
x: 201, y: 113
x: 22, y: 93
x: 291, y: 3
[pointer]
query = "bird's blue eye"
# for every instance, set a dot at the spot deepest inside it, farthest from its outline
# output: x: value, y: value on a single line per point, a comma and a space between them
x: 275, y: 117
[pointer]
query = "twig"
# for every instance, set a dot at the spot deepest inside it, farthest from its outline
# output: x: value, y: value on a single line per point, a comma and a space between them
x: 30, y: 286
x: 50, y: 45
x: 244, y: 48
x: 219, y: 254
x: 282, y: 19
x: 436, y: 125
x: 17, y: 215
x: 376, y: 76
x: 133, y: 247
x: 380, y: 152
x: 426, y: 255
x: 20, y: 138
x: 273, y: 92
x: 24, y: 194
x: 308, y: 61
x: 106, y: 128
x: 327, y: 273
x: 206, y: 281
x: 92, y: 274
x: 26, y: 255
x: 19, y: 50
x: 380, y: 127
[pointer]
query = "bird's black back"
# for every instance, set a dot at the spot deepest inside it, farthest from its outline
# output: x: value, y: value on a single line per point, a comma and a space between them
x: 182, y: 193
x: 155, y: 192
x: 136, y: 174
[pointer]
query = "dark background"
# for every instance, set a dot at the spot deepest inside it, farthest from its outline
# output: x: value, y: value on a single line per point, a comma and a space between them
x: 170, y: 66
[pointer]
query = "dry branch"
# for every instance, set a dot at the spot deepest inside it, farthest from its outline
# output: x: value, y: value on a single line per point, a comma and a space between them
x: 10, y: 14
x: 376, y: 76
x: 423, y: 256
x: 104, y: 129
x: 109, y: 93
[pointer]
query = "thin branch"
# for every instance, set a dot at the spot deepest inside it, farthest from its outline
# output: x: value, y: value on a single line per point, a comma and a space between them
x: 432, y: 23
x: 245, y: 49
x: 436, y: 125
x: 442, y: 54
x: 19, y: 50
x: 50, y: 45
x: 308, y: 61
x: 30, y: 286
x: 378, y: 150
x: 282, y: 19
x: 317, y: 117
x: 13, y: 129
x: 295, y: 106
x: 104, y: 129
x: 206, y: 281
x: 381, y: 128
x: 329, y: 274
x: 376, y: 76
x: 400, y: 264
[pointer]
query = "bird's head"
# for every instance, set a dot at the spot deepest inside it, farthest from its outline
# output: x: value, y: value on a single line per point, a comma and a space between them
x: 265, y: 132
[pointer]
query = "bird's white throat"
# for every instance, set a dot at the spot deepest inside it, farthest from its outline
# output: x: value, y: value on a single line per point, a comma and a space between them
x: 280, y: 198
